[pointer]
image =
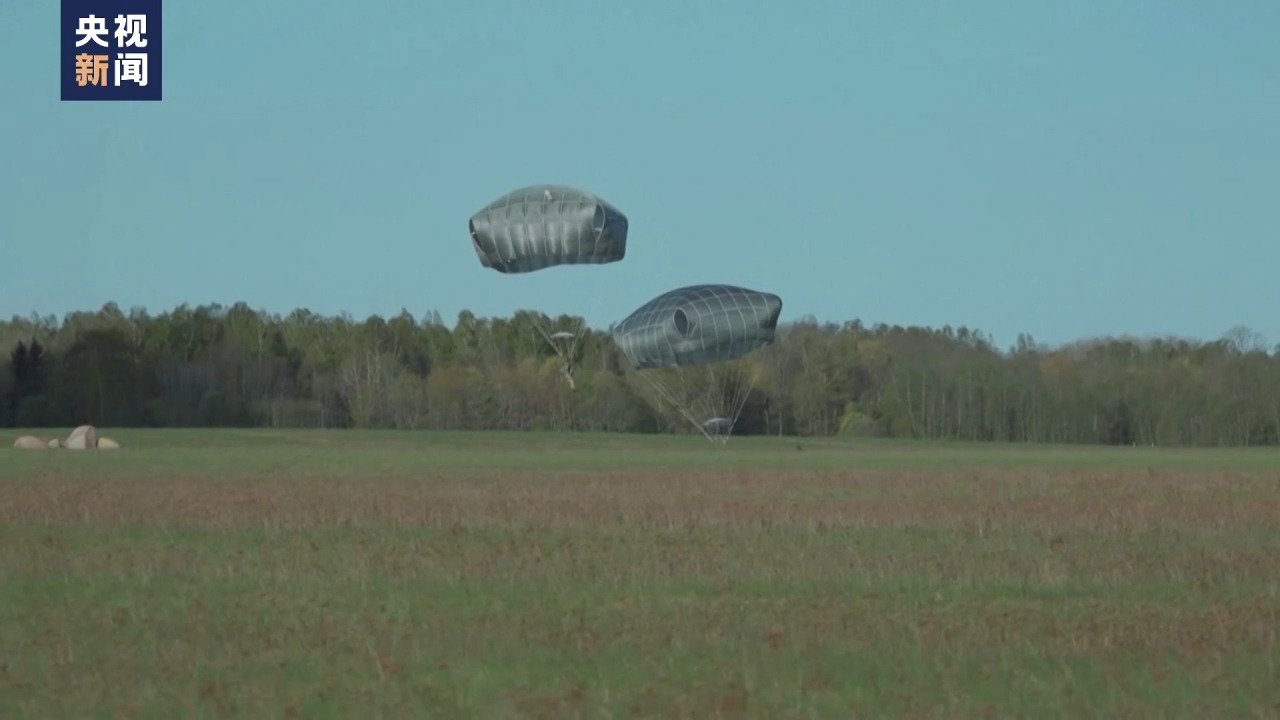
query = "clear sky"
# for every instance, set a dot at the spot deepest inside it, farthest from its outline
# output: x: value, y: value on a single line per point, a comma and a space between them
x: 1066, y: 169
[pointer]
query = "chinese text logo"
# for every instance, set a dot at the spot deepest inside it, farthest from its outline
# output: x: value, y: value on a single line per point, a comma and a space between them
x: 111, y: 50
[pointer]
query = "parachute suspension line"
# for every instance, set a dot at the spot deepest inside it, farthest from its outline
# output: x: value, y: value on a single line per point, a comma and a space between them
x: 738, y: 396
x: 705, y: 401
x: 579, y: 332
x: 669, y: 396
x: 741, y: 402
x: 733, y: 382
x: 547, y: 336
x: 713, y: 404
x: 666, y: 394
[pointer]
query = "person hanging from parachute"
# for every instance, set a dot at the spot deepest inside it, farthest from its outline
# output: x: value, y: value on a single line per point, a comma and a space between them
x: 566, y: 353
x: 567, y: 371
x: 690, y: 346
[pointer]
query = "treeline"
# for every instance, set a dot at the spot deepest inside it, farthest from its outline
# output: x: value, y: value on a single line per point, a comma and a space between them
x: 215, y: 366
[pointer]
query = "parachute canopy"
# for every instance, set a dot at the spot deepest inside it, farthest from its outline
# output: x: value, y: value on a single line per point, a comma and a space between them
x: 698, y: 324
x: 540, y: 226
x: 718, y: 425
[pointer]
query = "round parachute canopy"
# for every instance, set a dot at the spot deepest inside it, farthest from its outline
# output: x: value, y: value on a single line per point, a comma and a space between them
x: 690, y: 347
x: 698, y: 324
x: 540, y: 226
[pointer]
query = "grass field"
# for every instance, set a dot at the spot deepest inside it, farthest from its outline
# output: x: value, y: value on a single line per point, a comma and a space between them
x: 396, y: 574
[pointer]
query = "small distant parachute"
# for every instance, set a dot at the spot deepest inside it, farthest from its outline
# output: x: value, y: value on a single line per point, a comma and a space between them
x: 541, y: 226
x: 718, y: 426
x: 690, y: 346
x: 566, y: 346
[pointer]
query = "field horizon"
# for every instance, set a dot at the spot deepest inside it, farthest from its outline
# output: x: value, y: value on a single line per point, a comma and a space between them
x: 299, y: 573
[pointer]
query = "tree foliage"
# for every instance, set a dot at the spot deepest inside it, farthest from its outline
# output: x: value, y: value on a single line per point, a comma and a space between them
x: 234, y: 366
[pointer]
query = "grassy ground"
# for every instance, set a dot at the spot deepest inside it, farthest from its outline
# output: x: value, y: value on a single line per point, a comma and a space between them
x: 310, y: 575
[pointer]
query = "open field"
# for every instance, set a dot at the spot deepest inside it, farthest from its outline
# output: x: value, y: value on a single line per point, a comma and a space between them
x: 397, y: 574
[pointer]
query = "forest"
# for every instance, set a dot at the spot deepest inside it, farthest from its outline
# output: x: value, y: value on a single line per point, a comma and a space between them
x: 217, y: 366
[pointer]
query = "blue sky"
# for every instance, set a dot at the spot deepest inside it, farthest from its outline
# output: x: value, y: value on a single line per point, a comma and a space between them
x: 1069, y: 169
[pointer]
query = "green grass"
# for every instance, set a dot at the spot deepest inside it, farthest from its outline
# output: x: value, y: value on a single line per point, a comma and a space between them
x: 398, y: 574
x: 368, y: 453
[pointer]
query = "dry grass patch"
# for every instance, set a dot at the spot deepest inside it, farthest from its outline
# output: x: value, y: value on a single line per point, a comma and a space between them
x: 713, y: 592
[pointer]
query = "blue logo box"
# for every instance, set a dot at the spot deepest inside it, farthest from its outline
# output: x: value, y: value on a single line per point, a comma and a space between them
x: 112, y: 50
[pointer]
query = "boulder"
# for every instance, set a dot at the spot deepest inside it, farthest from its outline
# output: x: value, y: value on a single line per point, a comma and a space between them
x: 106, y: 443
x: 54, y: 444
x: 84, y: 437
x: 30, y: 442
